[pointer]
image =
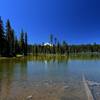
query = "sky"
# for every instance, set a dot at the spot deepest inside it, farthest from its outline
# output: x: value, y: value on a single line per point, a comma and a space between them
x: 75, y: 21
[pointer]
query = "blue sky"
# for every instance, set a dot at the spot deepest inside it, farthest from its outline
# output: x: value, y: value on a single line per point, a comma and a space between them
x: 76, y: 21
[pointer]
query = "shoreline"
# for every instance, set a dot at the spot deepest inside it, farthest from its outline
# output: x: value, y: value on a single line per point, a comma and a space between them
x: 71, y: 55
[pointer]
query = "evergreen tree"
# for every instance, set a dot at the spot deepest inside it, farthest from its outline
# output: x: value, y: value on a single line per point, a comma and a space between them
x: 51, y: 38
x: 9, y: 38
x: 2, y: 38
x: 25, y: 44
x: 16, y: 46
x: 13, y: 42
x: 22, y: 43
x: 58, y: 48
x: 55, y: 39
x: 65, y: 47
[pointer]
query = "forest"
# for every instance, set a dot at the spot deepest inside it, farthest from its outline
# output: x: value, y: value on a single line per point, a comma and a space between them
x: 63, y: 47
x: 11, y: 46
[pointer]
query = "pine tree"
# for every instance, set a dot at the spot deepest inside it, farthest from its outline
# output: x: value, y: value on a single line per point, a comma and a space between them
x: 13, y: 42
x: 55, y: 39
x: 22, y: 43
x: 10, y: 38
x: 65, y: 47
x: 16, y: 46
x: 2, y: 38
x: 25, y: 53
x: 51, y: 38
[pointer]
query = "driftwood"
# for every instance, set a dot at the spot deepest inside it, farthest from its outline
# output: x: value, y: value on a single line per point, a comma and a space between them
x: 88, y: 91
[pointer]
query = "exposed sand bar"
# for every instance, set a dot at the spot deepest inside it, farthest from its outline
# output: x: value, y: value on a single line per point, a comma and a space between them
x: 88, y: 91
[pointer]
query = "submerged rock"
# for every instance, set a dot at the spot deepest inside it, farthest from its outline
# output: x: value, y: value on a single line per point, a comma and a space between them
x: 29, y: 97
x: 92, y: 83
x: 66, y: 87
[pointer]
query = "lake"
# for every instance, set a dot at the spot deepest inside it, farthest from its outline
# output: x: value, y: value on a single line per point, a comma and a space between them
x: 47, y: 78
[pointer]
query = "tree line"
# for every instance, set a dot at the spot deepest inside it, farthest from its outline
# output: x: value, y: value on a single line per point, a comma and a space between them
x: 9, y: 44
x: 63, y: 48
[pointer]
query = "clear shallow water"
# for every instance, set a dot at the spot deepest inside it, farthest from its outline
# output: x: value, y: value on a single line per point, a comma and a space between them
x: 46, y: 79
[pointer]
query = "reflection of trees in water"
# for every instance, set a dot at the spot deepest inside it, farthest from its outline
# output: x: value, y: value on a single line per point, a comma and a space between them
x: 23, y: 69
x: 85, y: 56
x: 6, y: 77
x: 48, y: 58
x: 56, y: 67
x: 11, y: 71
x: 0, y: 87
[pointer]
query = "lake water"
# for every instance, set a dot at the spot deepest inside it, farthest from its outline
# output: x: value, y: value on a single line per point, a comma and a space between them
x: 41, y: 78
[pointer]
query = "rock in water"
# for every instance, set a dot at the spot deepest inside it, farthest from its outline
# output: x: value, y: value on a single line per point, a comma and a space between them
x: 66, y: 87
x: 92, y: 83
x: 29, y: 97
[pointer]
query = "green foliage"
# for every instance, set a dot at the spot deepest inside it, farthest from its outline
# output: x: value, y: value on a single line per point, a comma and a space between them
x: 51, y: 38
x: 9, y: 44
x: 22, y: 43
x: 9, y: 39
x: 65, y: 49
x: 25, y: 51
x: 2, y: 38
